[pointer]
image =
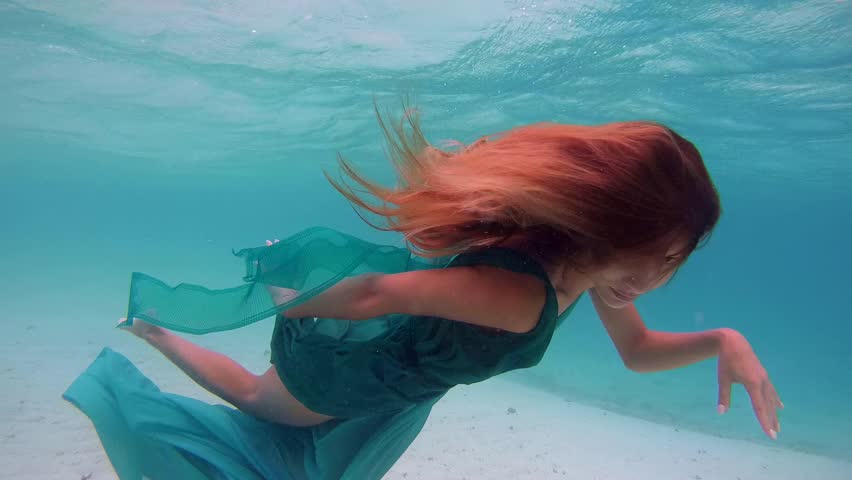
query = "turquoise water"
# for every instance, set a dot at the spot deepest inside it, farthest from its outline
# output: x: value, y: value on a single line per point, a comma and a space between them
x: 156, y: 136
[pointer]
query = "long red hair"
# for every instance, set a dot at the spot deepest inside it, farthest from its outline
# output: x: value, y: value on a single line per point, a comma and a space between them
x: 574, y: 192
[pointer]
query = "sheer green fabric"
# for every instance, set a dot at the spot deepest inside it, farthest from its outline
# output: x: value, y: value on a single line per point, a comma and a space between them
x: 378, y: 377
x: 294, y: 269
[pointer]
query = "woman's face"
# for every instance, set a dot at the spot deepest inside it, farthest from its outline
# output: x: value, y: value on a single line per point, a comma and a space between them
x: 623, y: 280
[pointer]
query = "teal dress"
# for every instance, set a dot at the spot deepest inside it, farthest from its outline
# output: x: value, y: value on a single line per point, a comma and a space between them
x: 378, y: 377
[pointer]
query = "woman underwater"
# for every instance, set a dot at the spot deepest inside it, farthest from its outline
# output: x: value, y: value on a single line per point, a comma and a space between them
x: 507, y: 234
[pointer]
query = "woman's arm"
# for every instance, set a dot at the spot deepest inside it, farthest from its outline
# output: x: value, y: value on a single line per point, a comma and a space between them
x: 480, y: 295
x: 644, y: 350
x: 352, y: 298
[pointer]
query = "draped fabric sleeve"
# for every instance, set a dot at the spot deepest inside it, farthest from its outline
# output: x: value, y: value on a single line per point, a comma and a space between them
x: 277, y: 278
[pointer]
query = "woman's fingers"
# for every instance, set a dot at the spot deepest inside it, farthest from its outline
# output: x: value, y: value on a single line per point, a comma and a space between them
x: 776, y: 399
x: 763, y: 409
x: 724, y: 396
x: 772, y: 402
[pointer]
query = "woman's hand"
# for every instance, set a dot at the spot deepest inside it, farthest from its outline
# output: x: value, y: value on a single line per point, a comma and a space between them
x: 739, y: 364
x: 142, y: 329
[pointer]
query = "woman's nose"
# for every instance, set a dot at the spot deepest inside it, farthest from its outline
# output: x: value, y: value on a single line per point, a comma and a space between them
x: 639, y: 284
x: 634, y: 284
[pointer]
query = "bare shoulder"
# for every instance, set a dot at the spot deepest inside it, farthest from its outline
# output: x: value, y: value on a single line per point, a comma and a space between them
x: 480, y: 295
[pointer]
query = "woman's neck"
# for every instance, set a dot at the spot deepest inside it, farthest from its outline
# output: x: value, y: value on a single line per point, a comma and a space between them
x: 567, y: 280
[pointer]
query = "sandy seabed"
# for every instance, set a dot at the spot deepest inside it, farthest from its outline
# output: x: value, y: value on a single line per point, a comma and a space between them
x: 494, y: 430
